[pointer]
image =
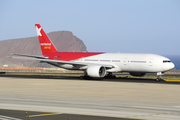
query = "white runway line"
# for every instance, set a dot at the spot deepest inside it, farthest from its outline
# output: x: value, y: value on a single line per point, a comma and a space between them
x: 2, y: 117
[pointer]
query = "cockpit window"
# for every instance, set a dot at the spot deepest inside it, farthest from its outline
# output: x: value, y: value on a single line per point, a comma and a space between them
x: 166, y: 61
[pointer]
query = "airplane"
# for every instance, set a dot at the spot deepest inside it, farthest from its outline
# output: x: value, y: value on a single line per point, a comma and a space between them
x: 99, y: 64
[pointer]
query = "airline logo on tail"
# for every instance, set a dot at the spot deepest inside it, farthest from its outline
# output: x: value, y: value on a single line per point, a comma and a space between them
x: 38, y: 31
x: 45, y: 43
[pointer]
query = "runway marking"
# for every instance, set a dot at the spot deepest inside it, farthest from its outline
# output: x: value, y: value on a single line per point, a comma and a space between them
x: 169, y: 80
x: 2, y: 117
x: 45, y: 114
x: 138, y: 116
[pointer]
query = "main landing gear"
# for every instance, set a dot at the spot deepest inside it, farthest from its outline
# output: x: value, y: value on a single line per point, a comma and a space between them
x: 85, y: 76
x: 110, y: 75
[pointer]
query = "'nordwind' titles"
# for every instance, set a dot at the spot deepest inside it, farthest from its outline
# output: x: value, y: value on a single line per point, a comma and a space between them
x: 45, y: 44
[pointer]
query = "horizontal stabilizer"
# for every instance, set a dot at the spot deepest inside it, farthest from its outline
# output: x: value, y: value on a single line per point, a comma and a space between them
x: 33, y: 56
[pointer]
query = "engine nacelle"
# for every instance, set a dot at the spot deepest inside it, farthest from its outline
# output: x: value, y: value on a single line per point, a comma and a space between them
x: 96, y: 71
x: 137, y: 74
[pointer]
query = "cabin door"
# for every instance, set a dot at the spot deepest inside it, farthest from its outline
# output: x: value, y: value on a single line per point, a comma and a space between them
x: 126, y: 64
x: 151, y: 61
x: 55, y: 57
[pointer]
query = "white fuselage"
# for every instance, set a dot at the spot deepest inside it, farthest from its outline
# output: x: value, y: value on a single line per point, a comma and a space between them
x: 131, y: 62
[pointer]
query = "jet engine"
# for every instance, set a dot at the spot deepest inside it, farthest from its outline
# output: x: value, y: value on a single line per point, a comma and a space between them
x: 96, y: 71
x: 137, y: 74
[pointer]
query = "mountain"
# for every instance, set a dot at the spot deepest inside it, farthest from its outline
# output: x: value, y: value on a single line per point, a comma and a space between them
x: 64, y: 41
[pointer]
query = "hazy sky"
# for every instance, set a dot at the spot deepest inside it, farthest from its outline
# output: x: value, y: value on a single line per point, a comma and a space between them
x: 135, y: 26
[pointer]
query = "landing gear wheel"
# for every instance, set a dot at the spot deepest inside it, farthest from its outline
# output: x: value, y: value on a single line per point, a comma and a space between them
x: 110, y: 75
x: 159, y: 79
x: 85, y: 76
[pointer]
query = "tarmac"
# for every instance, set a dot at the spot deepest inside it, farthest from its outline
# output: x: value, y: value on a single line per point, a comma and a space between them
x: 76, y: 99
x: 33, y: 115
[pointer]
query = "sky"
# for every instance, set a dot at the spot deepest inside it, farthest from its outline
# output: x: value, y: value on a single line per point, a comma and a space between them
x: 125, y: 26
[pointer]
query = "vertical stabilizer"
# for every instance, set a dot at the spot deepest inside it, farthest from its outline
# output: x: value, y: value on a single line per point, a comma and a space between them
x: 45, y: 43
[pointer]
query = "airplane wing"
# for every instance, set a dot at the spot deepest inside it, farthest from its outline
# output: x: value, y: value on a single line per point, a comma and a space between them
x: 56, y: 62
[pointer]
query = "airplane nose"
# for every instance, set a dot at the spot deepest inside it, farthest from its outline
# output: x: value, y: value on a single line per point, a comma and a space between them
x: 169, y: 66
x: 172, y: 65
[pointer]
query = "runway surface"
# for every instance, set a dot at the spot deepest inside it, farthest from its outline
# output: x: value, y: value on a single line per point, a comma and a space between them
x: 119, y: 98
x: 32, y: 115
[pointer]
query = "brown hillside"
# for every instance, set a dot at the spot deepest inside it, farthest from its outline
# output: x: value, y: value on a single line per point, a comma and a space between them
x: 63, y: 41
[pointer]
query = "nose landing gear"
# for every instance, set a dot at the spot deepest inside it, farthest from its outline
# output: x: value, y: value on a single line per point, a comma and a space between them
x: 159, y: 74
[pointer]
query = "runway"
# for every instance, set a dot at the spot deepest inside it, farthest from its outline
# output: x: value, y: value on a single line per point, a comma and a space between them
x: 32, y: 115
x: 117, y: 98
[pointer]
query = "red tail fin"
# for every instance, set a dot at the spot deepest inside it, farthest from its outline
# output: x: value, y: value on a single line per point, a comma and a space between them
x: 45, y: 43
